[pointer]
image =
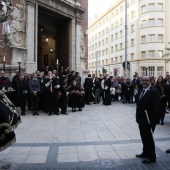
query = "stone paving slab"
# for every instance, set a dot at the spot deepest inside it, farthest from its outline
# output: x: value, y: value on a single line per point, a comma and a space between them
x: 99, y: 137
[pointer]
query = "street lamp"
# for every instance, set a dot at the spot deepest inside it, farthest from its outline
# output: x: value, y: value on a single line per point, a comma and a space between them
x: 146, y: 69
x: 4, y: 61
x: 57, y: 65
x: 96, y: 63
x: 19, y: 65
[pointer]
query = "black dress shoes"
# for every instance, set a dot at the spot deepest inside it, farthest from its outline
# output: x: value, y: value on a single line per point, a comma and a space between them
x: 142, y: 155
x: 168, y: 151
x: 149, y: 160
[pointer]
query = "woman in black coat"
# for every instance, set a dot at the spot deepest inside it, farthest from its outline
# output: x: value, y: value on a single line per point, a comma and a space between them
x: 162, y: 88
x: 73, y: 95
x: 34, y: 86
x: 22, y: 92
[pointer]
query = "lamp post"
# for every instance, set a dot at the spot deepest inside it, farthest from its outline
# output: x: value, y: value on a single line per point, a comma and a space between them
x: 4, y: 61
x: 19, y: 65
x: 146, y: 69
x: 96, y: 63
x: 125, y: 73
x: 57, y: 64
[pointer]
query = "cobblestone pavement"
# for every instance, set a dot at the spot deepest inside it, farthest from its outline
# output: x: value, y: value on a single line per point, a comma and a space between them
x: 99, y: 137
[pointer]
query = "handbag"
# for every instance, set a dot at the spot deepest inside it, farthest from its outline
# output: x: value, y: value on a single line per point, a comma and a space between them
x: 24, y: 92
x: 118, y: 91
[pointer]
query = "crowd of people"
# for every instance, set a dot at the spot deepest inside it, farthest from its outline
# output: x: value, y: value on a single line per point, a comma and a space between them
x: 50, y: 92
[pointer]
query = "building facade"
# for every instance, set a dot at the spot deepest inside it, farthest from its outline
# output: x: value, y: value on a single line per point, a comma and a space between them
x: 47, y: 33
x: 148, y: 36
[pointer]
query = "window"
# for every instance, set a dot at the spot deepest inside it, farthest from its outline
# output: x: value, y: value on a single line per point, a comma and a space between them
x: 102, y: 32
x: 115, y: 47
x: 102, y: 42
x: 159, y: 71
x: 132, y: 42
x: 133, y: 14
x: 143, y: 54
x: 121, y: 8
x: 143, y: 38
x: 111, y: 49
x: 160, y: 22
x: 151, y: 71
x: 121, y: 34
x: 152, y: 22
x: 151, y: 7
x: 102, y: 62
x: 152, y: 38
x: 151, y: 54
x: 116, y: 24
x: 106, y: 40
x: 112, y: 60
x: 143, y: 23
x: 121, y: 46
x: 111, y: 37
x: 103, y: 52
x: 143, y: 71
x: 121, y: 59
x: 121, y: 21
x: 106, y: 61
x: 143, y: 8
x: 115, y: 59
x: 106, y: 50
x: 116, y: 36
x: 160, y: 54
x: 107, y: 30
x: 112, y: 26
x: 160, y: 7
x: 132, y: 56
x: 99, y: 44
x: 132, y: 28
x: 160, y: 38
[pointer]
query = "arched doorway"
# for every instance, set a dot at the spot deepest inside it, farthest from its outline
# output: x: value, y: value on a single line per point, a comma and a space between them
x: 53, y: 40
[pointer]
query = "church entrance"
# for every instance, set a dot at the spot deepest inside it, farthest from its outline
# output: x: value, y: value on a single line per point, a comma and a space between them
x: 53, y: 40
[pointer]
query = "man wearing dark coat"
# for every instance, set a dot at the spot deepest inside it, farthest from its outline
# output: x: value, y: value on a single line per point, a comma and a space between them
x: 88, y: 84
x: 107, y: 85
x: 50, y: 94
x: 148, y: 103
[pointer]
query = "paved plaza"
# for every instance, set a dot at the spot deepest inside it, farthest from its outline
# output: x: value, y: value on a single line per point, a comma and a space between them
x: 99, y: 137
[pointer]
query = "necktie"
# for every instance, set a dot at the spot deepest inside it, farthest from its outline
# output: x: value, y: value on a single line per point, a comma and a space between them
x: 142, y: 94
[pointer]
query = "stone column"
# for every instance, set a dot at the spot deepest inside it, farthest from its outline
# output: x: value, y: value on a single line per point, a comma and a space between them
x: 30, y: 61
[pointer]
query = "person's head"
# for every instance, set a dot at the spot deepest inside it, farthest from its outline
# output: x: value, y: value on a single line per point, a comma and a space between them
x: 89, y: 75
x: 17, y: 72
x: 26, y: 74
x: 34, y: 75
x: 2, y: 74
x: 146, y: 81
x: 55, y: 72
x: 74, y: 82
x: 112, y: 86
x: 22, y: 76
x: 107, y: 75
x: 93, y: 76
x: 47, y: 67
x: 67, y: 68
x: 160, y: 79
x: 49, y: 73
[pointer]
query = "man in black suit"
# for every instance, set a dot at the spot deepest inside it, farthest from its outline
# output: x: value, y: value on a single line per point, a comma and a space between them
x: 88, y: 84
x: 148, y: 103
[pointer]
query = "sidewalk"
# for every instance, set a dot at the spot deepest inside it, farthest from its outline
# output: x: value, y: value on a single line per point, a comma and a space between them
x: 99, y: 137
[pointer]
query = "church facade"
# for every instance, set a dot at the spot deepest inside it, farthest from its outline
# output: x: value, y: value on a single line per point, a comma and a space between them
x: 47, y: 33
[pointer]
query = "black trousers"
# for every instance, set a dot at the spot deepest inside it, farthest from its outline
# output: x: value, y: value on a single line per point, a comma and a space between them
x: 147, y: 139
x: 34, y: 100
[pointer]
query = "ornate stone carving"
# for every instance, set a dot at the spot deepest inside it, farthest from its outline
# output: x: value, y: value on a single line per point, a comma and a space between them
x: 82, y: 44
x: 17, y: 26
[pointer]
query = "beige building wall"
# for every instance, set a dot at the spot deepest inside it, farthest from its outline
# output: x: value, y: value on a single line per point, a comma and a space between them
x: 148, y: 36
